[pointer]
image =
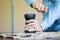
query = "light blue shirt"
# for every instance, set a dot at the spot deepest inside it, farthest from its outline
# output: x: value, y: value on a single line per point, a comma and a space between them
x: 51, y: 16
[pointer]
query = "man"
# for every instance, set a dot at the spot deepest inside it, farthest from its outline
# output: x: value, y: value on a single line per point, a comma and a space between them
x: 51, y: 15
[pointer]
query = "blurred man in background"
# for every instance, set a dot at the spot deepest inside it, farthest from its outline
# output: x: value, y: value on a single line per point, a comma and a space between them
x: 50, y: 10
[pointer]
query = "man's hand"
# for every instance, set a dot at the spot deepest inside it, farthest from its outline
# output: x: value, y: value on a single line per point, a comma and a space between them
x: 34, y: 25
x: 39, y: 7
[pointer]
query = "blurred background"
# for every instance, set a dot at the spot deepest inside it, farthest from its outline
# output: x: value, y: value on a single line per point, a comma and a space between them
x: 20, y: 8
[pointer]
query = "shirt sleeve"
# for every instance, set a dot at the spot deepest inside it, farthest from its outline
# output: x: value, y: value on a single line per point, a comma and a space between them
x: 44, y: 24
x: 29, y: 2
x: 54, y: 14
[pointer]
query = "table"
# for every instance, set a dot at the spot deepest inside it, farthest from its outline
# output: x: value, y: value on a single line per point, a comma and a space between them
x: 31, y: 39
x: 35, y: 36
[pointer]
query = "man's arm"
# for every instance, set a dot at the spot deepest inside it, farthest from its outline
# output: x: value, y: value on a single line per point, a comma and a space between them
x: 37, y: 5
x: 33, y: 24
